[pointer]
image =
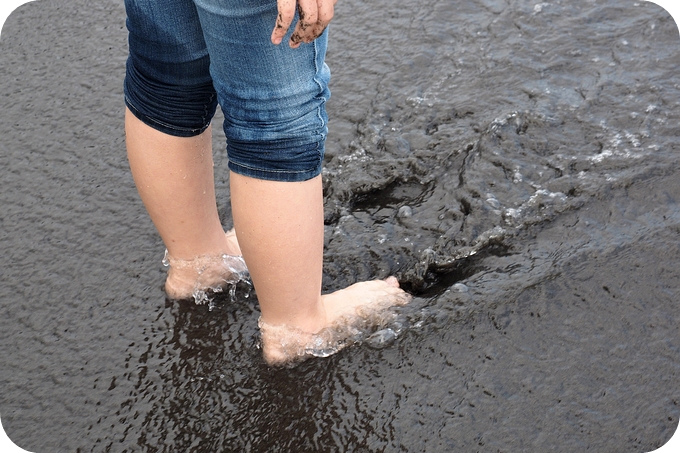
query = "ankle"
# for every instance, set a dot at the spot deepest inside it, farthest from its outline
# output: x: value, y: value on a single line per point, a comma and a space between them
x: 286, y: 345
x: 311, y: 321
x: 191, y: 277
x: 210, y: 245
x: 232, y: 246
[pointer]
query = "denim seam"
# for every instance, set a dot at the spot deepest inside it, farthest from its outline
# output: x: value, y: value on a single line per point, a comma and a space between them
x: 321, y: 98
x: 205, y: 111
x: 192, y: 130
x: 316, y: 80
x: 266, y: 170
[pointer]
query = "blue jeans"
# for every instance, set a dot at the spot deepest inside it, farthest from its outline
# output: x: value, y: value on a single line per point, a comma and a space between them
x: 188, y: 55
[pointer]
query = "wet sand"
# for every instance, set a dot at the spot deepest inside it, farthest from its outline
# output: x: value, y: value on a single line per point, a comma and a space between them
x: 514, y: 164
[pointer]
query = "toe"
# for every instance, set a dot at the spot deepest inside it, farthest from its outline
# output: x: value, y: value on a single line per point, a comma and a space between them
x: 392, y: 281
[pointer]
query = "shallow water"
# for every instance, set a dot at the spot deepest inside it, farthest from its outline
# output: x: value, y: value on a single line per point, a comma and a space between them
x: 513, y: 163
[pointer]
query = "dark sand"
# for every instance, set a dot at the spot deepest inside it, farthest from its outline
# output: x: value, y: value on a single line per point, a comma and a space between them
x: 515, y: 164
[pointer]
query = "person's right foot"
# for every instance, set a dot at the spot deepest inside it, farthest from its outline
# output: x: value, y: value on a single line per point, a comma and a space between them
x: 358, y: 305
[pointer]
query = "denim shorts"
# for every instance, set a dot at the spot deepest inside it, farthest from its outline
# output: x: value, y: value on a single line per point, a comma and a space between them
x: 186, y: 56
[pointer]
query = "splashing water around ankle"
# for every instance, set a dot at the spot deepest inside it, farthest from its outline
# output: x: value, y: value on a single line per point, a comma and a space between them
x: 199, y: 277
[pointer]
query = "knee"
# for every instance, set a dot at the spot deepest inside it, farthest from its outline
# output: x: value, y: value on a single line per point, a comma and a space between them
x: 289, y: 152
x: 171, y: 102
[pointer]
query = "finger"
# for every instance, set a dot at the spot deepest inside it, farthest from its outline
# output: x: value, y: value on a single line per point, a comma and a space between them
x: 307, y: 18
x: 326, y: 10
x: 285, y: 16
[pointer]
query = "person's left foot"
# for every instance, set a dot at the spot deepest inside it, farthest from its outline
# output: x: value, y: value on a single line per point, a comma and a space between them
x: 189, y: 278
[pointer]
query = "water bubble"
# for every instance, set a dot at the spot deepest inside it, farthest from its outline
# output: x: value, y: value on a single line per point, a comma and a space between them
x: 405, y: 212
x: 493, y: 203
x: 382, y: 338
x: 461, y: 288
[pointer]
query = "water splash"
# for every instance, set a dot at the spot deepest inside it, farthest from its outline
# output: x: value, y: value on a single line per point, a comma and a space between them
x: 289, y: 346
x: 212, y: 274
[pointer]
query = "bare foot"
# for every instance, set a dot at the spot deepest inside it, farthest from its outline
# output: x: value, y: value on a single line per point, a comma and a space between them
x: 193, y: 277
x: 348, y: 311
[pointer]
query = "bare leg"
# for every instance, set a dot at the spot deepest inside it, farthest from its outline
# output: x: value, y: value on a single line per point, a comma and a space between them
x: 279, y: 227
x: 280, y: 231
x: 174, y: 177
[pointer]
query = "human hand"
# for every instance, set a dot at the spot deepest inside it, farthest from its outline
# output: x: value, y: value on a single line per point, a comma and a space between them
x: 314, y: 16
